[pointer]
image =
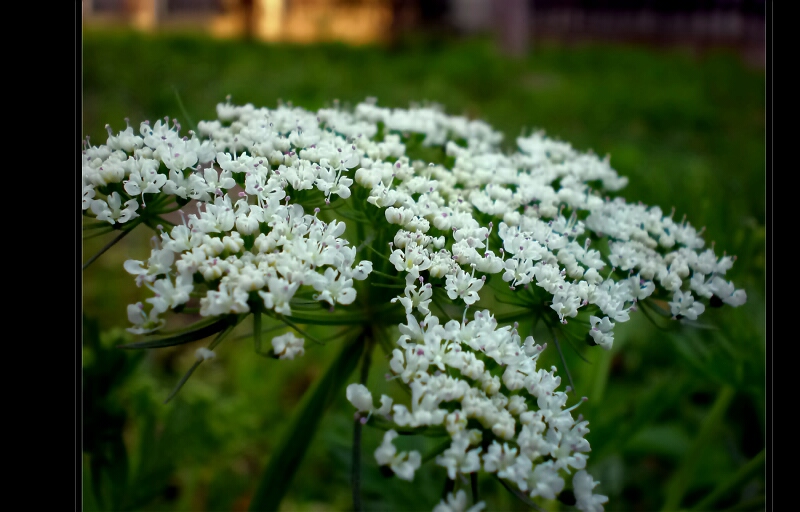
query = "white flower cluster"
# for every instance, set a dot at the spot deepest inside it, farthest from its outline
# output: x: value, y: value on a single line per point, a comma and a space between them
x: 471, y: 219
x: 447, y: 370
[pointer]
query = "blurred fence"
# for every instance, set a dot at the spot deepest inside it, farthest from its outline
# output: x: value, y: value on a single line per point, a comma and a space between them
x: 518, y: 23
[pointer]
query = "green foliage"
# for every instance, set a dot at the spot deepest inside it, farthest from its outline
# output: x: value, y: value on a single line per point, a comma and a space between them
x: 284, y: 462
x: 687, y: 131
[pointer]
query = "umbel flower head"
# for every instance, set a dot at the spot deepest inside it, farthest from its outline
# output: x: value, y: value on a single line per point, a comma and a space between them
x: 417, y: 225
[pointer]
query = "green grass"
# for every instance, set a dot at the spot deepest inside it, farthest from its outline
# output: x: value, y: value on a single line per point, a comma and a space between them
x: 688, y: 131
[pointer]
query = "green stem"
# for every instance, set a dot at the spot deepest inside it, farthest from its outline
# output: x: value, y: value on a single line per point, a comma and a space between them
x: 197, y: 363
x: 96, y: 225
x: 183, y: 109
x: 563, y: 360
x: 644, y: 309
x: 449, y: 487
x: 678, y: 484
x: 297, y: 436
x: 388, y: 276
x: 523, y: 497
x: 381, y: 255
x: 183, y: 380
x: 754, y: 503
x: 327, y: 319
x: 358, y: 426
x: 257, y: 330
x: 299, y: 330
x: 382, y: 285
x: 97, y: 232
x: 108, y: 246
x: 744, y: 474
x: 513, y: 316
x: 602, y: 368
x: 438, y: 449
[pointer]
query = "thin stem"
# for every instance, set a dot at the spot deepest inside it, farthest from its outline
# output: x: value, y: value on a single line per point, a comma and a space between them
x: 388, y: 276
x: 183, y: 380
x: 358, y: 426
x: 569, y: 337
x: 754, y: 503
x: 355, y: 474
x: 746, y: 472
x: 441, y: 308
x: 676, y: 488
x: 644, y: 309
x: 380, y: 254
x: 96, y: 225
x: 299, y: 432
x: 510, y: 303
x: 473, y: 481
x: 449, y: 487
x: 519, y: 494
x: 437, y: 450
x: 106, y: 247
x: 257, y: 330
x: 154, y: 222
x: 299, y: 330
x: 183, y: 109
x: 96, y: 233
x: 383, y: 285
x: 563, y: 361
x: 512, y: 316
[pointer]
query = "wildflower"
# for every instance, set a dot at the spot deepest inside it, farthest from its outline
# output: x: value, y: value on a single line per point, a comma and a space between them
x: 288, y: 346
x: 458, y: 503
x: 583, y: 484
x: 404, y: 464
x: 110, y: 210
x: 525, y: 220
x: 684, y: 305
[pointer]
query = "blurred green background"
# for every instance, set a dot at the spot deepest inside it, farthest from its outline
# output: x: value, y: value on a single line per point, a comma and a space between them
x: 675, y: 416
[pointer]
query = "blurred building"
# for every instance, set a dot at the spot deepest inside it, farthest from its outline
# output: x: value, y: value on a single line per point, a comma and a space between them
x: 353, y: 21
x: 517, y: 23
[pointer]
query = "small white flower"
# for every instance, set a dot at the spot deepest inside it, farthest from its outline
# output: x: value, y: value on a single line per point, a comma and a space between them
x: 333, y: 290
x: 684, y: 304
x: 170, y: 295
x: 110, y: 210
x: 545, y: 481
x: 458, y: 459
x: 143, y: 323
x: 602, y: 331
x: 204, y: 354
x: 288, y: 346
x: 582, y: 484
x: 88, y: 195
x: 458, y: 503
x: 360, y: 397
x: 464, y: 286
x: 403, y: 464
x: 726, y: 291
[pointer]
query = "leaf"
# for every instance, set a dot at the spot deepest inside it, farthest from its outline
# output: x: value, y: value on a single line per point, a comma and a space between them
x: 285, y: 461
x: 754, y: 467
x: 194, y: 332
x: 678, y: 484
x: 155, y: 466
